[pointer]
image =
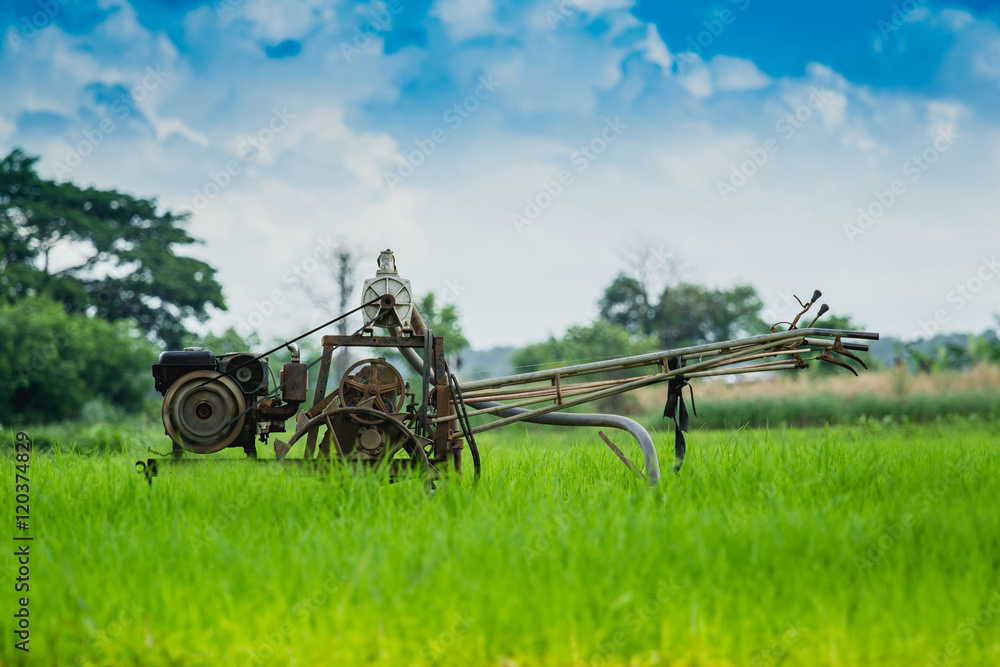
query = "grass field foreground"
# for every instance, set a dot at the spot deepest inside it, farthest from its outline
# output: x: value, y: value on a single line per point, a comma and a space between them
x: 856, y: 545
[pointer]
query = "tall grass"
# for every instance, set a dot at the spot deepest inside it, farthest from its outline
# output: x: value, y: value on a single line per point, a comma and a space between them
x: 833, y: 409
x: 837, y: 546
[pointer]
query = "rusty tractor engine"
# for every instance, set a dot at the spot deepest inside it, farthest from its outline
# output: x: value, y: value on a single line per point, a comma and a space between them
x: 370, y: 416
x: 210, y: 403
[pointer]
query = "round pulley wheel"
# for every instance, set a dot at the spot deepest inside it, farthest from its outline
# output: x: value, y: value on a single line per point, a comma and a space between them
x: 198, y: 409
x: 395, y: 311
x: 376, y: 379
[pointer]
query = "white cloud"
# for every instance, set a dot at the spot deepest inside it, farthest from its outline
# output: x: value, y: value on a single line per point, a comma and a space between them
x: 737, y: 74
x: 956, y: 19
x: 696, y: 77
x: 654, y: 50
x: 465, y: 19
x: 558, y: 72
x: 834, y: 109
x: 321, y: 137
x: 6, y: 128
x: 943, y: 118
x: 274, y: 21
x: 168, y: 127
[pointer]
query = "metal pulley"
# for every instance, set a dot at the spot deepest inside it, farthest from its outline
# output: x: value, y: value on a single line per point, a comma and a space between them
x: 202, y: 412
x: 394, y: 294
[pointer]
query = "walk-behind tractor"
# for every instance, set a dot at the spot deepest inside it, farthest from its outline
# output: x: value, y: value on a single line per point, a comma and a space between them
x: 372, y: 417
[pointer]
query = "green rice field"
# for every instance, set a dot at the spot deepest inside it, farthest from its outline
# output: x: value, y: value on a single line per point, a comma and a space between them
x: 871, y: 544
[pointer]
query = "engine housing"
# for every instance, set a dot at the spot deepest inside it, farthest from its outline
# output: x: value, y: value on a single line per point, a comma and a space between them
x: 204, y: 398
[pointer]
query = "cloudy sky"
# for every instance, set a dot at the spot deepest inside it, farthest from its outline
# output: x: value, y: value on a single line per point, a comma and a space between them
x: 516, y: 155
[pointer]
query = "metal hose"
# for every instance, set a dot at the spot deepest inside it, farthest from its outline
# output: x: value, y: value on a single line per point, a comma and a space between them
x: 633, y: 427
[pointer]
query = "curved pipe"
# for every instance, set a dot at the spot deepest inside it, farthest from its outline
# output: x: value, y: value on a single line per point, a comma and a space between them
x: 632, y: 427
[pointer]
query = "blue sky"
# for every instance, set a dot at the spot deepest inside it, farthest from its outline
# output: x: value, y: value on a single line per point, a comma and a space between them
x: 517, y: 155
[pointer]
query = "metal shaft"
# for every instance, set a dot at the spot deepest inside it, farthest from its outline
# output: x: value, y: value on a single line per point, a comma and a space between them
x: 656, y: 357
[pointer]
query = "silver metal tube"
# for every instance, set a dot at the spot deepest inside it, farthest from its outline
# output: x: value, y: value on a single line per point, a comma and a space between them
x: 654, y: 357
x: 547, y: 389
x: 736, y: 370
x: 567, y: 393
x: 620, y: 389
x: 630, y: 426
x: 856, y: 347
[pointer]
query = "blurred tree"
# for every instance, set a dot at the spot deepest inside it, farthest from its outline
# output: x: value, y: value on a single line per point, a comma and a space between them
x: 692, y: 314
x: 601, y: 340
x: 443, y: 321
x: 598, y: 341
x: 923, y: 361
x: 953, y: 356
x: 121, y: 253
x: 686, y: 313
x: 689, y: 314
x: 54, y: 362
x: 626, y: 304
x: 984, y: 348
